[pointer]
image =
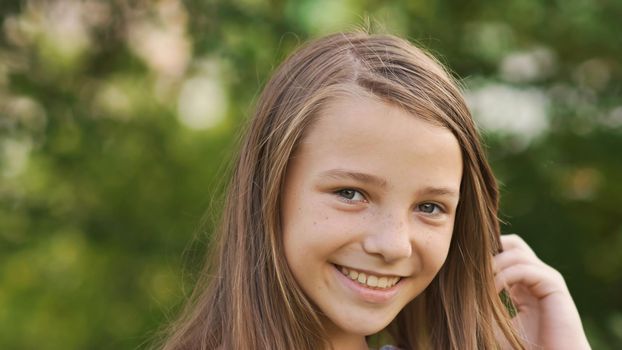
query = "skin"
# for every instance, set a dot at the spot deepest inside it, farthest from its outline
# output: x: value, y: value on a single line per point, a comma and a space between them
x: 399, y: 228
x: 400, y: 225
x: 546, y: 312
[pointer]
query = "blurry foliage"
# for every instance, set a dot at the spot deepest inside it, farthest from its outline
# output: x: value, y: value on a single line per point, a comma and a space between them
x: 118, y: 120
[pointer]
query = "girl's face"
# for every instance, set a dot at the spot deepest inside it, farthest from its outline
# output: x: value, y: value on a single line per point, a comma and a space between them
x: 369, y: 203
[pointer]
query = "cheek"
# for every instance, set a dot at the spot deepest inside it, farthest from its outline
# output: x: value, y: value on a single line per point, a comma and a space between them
x: 319, y: 217
x: 304, y: 228
x: 435, y: 249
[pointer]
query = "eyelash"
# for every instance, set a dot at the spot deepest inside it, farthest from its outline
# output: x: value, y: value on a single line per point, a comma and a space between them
x: 339, y: 193
x: 436, y: 207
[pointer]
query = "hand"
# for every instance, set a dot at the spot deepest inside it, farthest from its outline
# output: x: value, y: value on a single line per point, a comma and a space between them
x: 547, y: 317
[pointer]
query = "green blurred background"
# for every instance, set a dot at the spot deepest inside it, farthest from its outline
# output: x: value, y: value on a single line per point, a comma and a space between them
x: 118, y: 120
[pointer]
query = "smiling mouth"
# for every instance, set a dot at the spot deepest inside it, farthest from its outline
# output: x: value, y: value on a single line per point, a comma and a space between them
x: 368, y: 280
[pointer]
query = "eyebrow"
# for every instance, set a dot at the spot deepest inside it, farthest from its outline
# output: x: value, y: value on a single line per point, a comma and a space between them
x: 439, y: 191
x: 340, y: 174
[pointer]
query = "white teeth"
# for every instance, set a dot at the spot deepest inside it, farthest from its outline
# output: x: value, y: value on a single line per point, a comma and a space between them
x: 382, y: 282
x: 369, y: 281
x: 372, y: 281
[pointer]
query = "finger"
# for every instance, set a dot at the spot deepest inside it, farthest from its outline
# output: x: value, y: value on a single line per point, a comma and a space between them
x: 522, y: 298
x: 524, y: 274
x: 513, y: 257
x: 540, y: 280
x: 514, y: 241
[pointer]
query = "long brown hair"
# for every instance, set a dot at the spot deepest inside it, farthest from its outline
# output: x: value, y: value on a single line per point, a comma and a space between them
x: 247, y: 297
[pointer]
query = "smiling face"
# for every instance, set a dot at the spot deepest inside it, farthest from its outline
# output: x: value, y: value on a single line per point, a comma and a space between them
x: 368, y: 209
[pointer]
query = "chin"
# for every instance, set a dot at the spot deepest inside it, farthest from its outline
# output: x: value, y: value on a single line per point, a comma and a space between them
x: 364, y: 326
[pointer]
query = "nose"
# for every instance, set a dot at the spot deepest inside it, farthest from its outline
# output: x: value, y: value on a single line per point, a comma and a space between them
x: 390, y: 239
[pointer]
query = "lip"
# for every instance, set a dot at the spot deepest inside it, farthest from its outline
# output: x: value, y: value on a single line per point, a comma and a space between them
x: 373, y: 296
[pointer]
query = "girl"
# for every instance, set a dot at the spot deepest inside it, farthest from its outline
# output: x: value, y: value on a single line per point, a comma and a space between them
x: 362, y: 201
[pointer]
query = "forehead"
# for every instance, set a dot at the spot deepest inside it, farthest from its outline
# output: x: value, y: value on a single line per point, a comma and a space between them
x: 360, y: 123
x: 368, y: 134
